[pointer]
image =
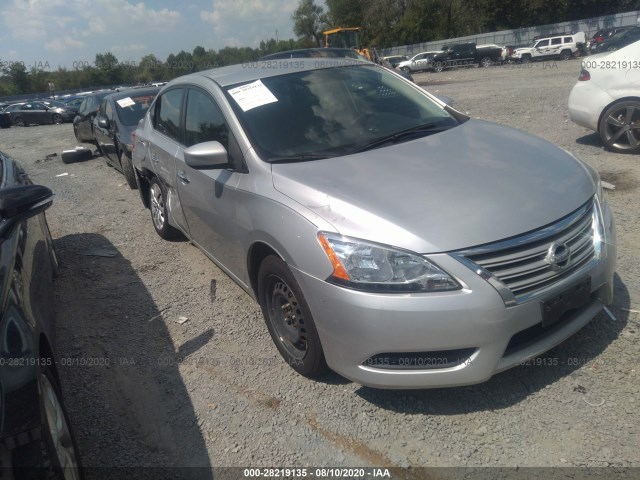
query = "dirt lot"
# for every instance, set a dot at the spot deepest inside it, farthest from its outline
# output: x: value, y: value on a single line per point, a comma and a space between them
x: 144, y: 389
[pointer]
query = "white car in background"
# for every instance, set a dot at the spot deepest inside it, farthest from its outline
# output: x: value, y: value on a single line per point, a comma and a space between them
x: 606, y: 98
x: 421, y: 61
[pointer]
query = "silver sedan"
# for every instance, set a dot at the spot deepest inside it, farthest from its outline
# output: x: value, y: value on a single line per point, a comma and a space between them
x: 385, y: 235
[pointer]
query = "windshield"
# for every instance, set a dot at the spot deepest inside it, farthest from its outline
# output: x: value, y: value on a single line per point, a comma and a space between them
x: 131, y: 109
x: 334, y: 111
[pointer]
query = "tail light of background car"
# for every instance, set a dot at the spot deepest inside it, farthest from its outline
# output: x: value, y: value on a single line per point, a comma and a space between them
x: 584, y: 76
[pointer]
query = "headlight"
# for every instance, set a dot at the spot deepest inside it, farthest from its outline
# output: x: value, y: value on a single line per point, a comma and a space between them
x: 370, y: 267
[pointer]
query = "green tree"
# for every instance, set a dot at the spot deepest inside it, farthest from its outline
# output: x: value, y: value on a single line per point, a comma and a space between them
x: 308, y: 20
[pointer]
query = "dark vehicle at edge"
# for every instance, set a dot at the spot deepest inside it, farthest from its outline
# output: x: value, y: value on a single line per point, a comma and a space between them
x: 83, y: 121
x: 117, y: 118
x: 35, y: 437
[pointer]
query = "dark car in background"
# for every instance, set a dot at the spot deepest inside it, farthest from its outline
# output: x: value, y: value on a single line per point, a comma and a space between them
x: 602, y: 35
x: 117, y: 118
x: 5, y: 120
x: 617, y: 41
x: 73, y: 101
x: 41, y: 113
x: 83, y: 121
x: 36, y: 440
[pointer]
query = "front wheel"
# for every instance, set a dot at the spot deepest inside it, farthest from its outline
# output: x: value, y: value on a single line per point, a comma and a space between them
x: 438, y: 67
x: 526, y: 59
x: 19, y: 122
x: 159, y: 213
x: 57, y: 119
x: 60, y: 452
x: 620, y: 127
x: 289, y: 319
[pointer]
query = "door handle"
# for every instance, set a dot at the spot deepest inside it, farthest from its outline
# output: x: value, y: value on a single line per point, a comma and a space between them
x: 183, y: 177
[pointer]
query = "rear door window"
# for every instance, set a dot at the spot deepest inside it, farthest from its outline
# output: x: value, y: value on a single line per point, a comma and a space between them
x: 167, y: 113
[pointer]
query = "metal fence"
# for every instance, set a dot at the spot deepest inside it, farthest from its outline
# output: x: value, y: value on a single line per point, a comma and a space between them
x: 523, y: 36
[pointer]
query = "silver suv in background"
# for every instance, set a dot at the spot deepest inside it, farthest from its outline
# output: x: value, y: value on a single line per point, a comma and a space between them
x: 384, y: 234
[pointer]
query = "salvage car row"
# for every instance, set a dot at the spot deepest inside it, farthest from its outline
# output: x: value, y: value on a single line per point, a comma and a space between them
x: 561, y: 46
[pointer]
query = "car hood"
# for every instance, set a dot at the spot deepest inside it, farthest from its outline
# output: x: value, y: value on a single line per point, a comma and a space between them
x: 471, y: 185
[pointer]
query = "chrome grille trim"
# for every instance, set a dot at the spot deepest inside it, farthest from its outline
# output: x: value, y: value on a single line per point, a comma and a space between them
x: 518, y: 267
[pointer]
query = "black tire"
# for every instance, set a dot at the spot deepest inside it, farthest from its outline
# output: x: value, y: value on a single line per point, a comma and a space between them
x: 158, y: 208
x: 53, y: 454
x: 526, y: 59
x: 565, y: 55
x: 289, y: 319
x: 127, y: 170
x: 57, y: 119
x: 61, y: 445
x: 75, y: 133
x: 405, y: 69
x: 438, y: 66
x: 19, y: 122
x: 619, y: 127
x: 486, y: 62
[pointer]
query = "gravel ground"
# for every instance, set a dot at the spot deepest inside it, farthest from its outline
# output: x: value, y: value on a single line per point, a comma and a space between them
x: 144, y: 388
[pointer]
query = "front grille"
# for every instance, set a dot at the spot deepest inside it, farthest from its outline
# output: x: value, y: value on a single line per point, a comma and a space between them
x: 522, y: 264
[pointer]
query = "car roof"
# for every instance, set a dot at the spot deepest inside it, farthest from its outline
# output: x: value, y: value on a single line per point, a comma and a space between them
x: 135, y: 92
x: 252, y: 71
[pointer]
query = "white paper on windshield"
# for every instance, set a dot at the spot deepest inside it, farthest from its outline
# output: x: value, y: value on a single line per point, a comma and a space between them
x: 126, y: 102
x: 252, y: 95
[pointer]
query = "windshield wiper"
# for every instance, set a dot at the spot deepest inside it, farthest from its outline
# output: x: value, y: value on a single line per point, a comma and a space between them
x: 394, y: 138
x: 303, y: 157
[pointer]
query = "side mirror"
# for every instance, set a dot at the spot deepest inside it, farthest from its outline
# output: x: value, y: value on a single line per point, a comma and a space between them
x: 21, y: 202
x: 103, y: 122
x: 206, y: 155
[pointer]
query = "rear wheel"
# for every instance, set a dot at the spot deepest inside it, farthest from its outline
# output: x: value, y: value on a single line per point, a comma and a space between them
x: 159, y: 213
x: 620, y: 127
x: 486, y: 62
x: 289, y: 319
x: 565, y: 55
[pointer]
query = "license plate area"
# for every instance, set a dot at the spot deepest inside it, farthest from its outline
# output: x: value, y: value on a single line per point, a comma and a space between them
x: 572, y: 298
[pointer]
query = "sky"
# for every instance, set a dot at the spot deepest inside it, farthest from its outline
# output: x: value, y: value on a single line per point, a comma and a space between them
x: 46, y: 34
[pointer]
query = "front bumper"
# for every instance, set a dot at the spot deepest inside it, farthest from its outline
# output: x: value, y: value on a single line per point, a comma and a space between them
x: 356, y: 326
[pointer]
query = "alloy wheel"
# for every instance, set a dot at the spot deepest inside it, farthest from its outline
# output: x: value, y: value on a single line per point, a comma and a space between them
x: 621, y: 127
x: 59, y: 430
x: 157, y: 206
